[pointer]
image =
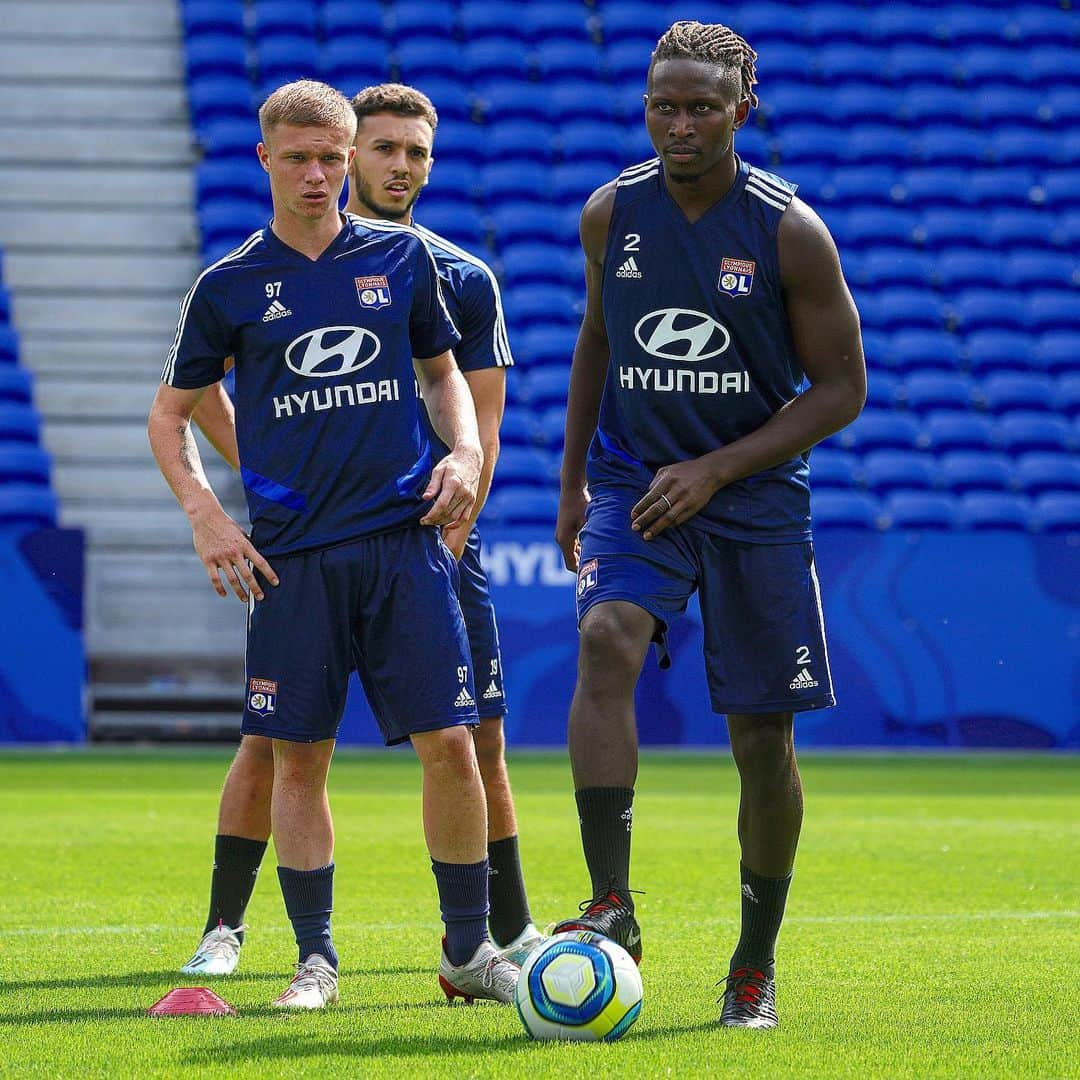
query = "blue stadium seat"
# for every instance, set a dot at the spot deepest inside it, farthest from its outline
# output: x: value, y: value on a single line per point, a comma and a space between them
x: 1067, y: 395
x: 557, y: 20
x: 548, y: 386
x: 846, y: 63
x: 982, y: 65
x: 481, y: 19
x: 548, y: 344
x: 899, y: 24
x: 994, y: 510
x: 460, y: 224
x: 949, y: 431
x: 830, y: 468
x: 420, y: 57
x: 962, y: 471
x: 921, y: 510
x: 460, y: 141
x: 352, y: 63
x: 557, y: 60
x: 450, y: 97
x: 627, y: 62
x: 884, y: 266
x: 764, y: 24
x: 845, y: 509
x: 230, y: 220
x: 907, y: 65
x: 877, y: 227
x: 214, y: 56
x: 1050, y: 66
x: 755, y: 146
x: 16, y: 384
x: 1058, y: 353
x: 527, y: 264
x: 1037, y: 24
x: 908, y: 309
x: 924, y: 188
x: 882, y: 390
x: 1010, y: 391
x: 988, y: 309
x: 230, y: 139
x: 1022, y: 433
x: 1063, y: 105
x: 1054, y: 309
x: 811, y: 179
x: 523, y: 506
x: 346, y: 17
x: 783, y: 63
x: 520, y: 140
x: 629, y: 20
x: 1021, y: 146
x: 860, y: 186
x: 213, y: 99
x: 572, y: 101
x: 21, y: 463
x: 1066, y: 230
x: 1026, y: 270
x: 924, y: 350
x: 552, y: 425
x: 213, y: 17
x: 1011, y: 229
x: 1001, y: 106
x: 507, y: 181
x: 9, y: 344
x: 539, y: 304
x: 283, y: 59
x: 1000, y: 350
x: 879, y: 429
x: 525, y: 466
x: 965, y: 25
x: 574, y: 183
x: 878, y: 144
x: 922, y: 105
x: 827, y: 23
x: 933, y: 391
x: 491, y: 60
x: 814, y: 144
x: 511, y: 99
x: 415, y: 20
x: 1056, y: 512
x: 27, y: 504
x: 1039, y: 472
x: 284, y: 18
x: 943, y: 230
x: 794, y: 103
x: 885, y: 471
x: 19, y: 422
x: 994, y: 188
x: 945, y: 144
x: 1061, y: 189
x: 959, y: 270
x: 519, y: 428
x: 524, y: 221
x: 587, y: 141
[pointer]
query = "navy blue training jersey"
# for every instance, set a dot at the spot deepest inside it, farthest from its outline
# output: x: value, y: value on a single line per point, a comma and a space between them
x: 472, y: 297
x: 700, y: 345
x: 328, y: 421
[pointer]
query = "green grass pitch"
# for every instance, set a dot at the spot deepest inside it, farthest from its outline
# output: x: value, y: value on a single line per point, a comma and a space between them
x: 933, y: 929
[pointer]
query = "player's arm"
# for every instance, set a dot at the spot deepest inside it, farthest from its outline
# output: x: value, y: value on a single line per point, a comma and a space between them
x: 219, y: 542
x: 828, y: 343
x: 216, y: 419
x: 587, y: 374
x: 455, y: 479
x: 487, y: 387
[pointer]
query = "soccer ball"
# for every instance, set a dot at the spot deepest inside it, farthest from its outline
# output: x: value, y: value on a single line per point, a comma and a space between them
x: 581, y: 987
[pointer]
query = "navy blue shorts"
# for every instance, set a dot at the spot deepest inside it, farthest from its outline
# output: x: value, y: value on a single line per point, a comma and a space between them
x: 385, y: 605
x: 760, y: 604
x: 483, y: 632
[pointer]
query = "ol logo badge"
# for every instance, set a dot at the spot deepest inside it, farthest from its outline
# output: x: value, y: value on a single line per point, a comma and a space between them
x: 373, y: 292
x: 587, y: 577
x: 736, y: 277
x: 262, y: 696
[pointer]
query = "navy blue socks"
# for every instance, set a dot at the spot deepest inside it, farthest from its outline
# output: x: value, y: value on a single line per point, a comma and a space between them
x: 463, y: 899
x: 309, y: 899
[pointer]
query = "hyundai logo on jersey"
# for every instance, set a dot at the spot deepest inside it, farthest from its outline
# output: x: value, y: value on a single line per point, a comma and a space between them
x: 332, y: 351
x: 736, y: 277
x: 678, y: 334
x: 374, y: 292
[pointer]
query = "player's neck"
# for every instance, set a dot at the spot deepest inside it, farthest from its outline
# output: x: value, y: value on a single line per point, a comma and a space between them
x: 355, y: 206
x: 695, y: 197
x: 310, y: 238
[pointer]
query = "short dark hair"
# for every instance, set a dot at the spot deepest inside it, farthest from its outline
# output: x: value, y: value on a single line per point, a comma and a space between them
x: 397, y: 99
x: 711, y: 43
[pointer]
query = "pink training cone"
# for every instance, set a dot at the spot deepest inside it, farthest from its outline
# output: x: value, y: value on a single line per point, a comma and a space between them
x: 191, y: 1001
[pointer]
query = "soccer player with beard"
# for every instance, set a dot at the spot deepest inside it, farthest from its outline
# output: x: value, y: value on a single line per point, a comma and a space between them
x: 712, y: 290
x: 395, y: 133
x: 334, y: 323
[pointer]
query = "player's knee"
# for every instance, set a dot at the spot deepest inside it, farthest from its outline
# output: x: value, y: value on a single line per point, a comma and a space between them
x: 762, y: 744
x: 449, y: 750
x: 490, y: 743
x: 255, y: 755
x: 610, y: 646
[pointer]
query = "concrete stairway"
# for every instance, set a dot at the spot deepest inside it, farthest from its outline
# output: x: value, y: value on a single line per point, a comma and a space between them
x: 100, y: 243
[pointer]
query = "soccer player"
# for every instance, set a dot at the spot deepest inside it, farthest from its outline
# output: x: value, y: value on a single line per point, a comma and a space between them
x: 711, y: 291
x: 323, y: 315
x: 396, y: 128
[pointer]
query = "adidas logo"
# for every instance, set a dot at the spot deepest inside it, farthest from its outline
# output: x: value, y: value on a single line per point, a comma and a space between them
x: 803, y: 681
x: 276, y: 310
x: 749, y: 894
x: 492, y: 691
x: 629, y: 269
x: 464, y: 699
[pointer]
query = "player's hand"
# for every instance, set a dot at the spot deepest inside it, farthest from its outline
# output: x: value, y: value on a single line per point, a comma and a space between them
x: 453, y: 486
x: 572, y: 503
x: 677, y: 493
x: 226, y: 551
x: 455, y: 537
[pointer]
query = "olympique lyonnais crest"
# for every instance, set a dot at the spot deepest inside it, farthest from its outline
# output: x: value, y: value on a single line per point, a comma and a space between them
x: 588, y: 575
x: 736, y: 277
x: 374, y: 292
x: 262, y: 696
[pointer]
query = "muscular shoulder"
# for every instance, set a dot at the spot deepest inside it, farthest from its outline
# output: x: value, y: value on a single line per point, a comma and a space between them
x: 805, y: 245
x: 595, y: 220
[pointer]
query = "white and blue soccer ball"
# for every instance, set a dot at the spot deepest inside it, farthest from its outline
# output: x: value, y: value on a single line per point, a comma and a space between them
x: 580, y: 987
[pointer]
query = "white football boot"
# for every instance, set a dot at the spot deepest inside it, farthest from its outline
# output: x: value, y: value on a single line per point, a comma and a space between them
x: 314, y: 986
x: 518, y: 950
x: 218, y: 952
x: 486, y: 976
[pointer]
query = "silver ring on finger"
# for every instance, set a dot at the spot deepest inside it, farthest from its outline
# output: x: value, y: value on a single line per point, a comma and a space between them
x: 667, y: 500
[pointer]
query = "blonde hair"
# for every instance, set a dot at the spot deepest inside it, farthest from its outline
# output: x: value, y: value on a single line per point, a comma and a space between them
x: 308, y: 103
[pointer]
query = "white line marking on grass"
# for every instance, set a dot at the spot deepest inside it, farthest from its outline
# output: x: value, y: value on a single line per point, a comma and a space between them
x: 946, y: 916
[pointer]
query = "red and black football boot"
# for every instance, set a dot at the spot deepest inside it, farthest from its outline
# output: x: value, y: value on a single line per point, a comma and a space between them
x: 610, y: 916
x: 749, y: 1000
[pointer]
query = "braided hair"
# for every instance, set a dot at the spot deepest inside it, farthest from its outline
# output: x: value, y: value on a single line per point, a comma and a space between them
x: 711, y: 43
